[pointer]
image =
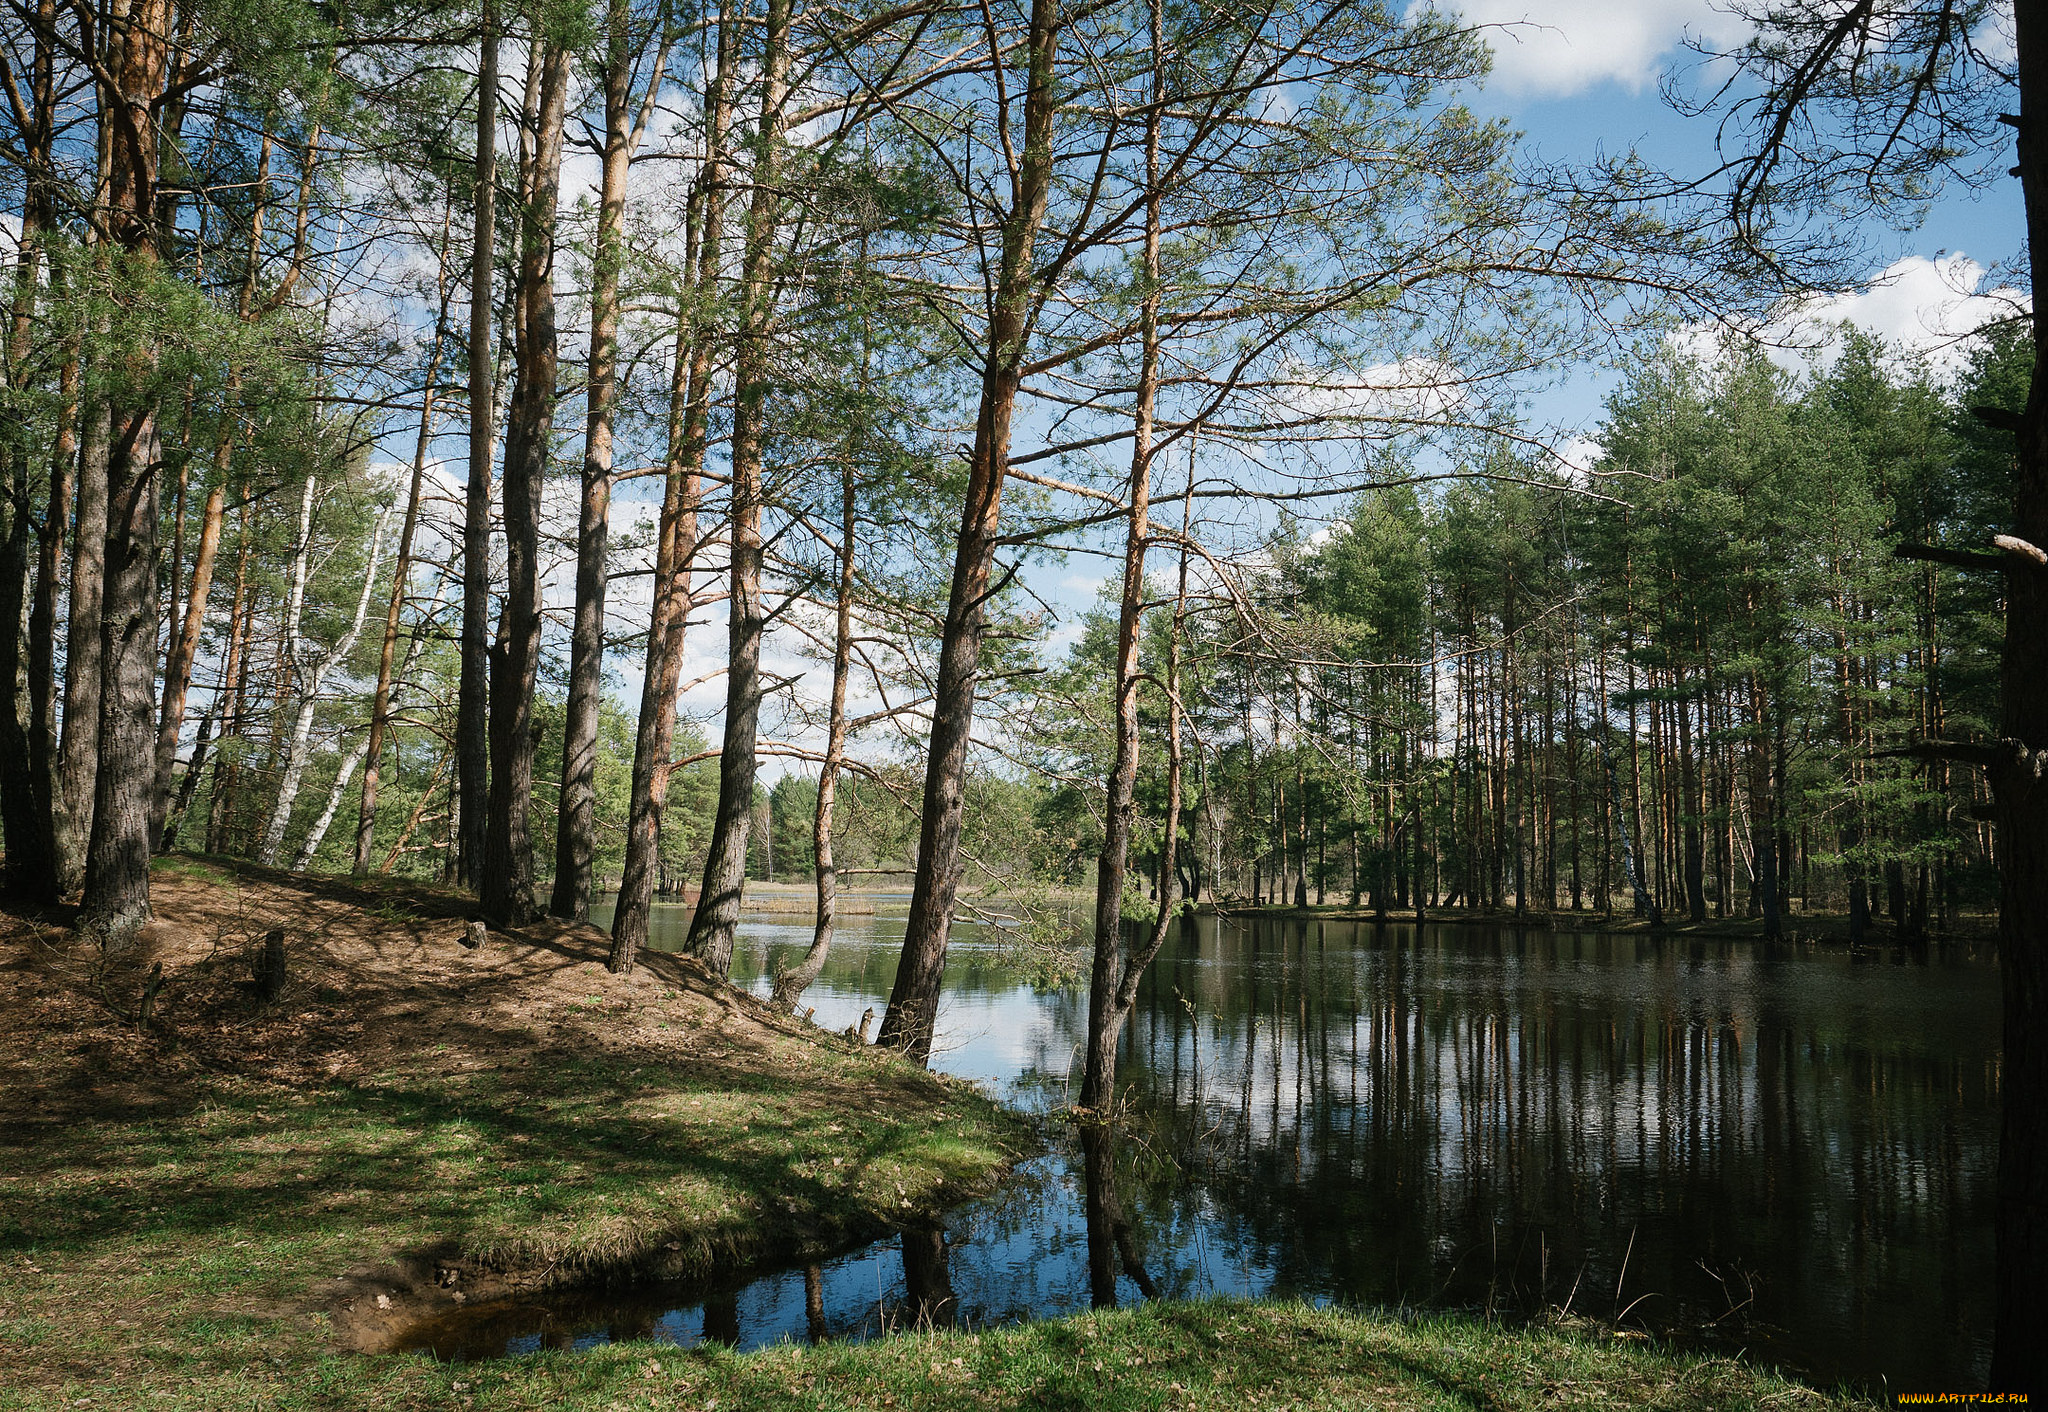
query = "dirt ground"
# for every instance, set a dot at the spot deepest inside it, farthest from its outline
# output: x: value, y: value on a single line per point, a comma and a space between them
x: 375, y: 975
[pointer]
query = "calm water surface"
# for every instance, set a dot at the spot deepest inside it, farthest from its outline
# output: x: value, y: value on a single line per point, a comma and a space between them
x: 1786, y: 1149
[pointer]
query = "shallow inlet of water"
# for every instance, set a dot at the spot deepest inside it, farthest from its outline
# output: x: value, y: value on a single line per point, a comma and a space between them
x: 1787, y: 1149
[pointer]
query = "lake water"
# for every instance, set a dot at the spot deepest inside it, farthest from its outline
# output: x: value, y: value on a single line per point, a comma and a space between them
x: 1787, y: 1149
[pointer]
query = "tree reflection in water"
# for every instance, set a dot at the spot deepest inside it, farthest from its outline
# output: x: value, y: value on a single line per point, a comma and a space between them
x: 1789, y: 1149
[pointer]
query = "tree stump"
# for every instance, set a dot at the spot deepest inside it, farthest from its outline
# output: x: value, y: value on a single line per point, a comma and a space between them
x: 270, y: 966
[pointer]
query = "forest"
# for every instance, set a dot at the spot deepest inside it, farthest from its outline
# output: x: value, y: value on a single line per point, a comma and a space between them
x: 601, y: 451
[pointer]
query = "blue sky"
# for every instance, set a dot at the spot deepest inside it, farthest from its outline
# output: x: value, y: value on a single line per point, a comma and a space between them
x: 1577, y: 76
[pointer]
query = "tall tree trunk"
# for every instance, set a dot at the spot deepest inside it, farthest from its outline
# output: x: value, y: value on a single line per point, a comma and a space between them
x: 1689, y: 801
x: 725, y: 863
x: 676, y: 543
x: 115, y: 901
x: 42, y: 613
x: 380, y: 703
x: 28, y: 871
x: 574, y: 845
x: 1106, y: 972
x: 507, y: 885
x: 24, y: 800
x: 232, y: 691
x: 2019, y: 1359
x: 78, y: 750
x: 472, y: 712
x: 914, y: 1001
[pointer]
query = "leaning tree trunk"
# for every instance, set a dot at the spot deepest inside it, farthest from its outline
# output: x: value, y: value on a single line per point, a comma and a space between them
x: 725, y: 863
x: 380, y: 702
x: 1105, y: 1021
x: 791, y: 984
x: 298, y: 746
x: 507, y: 885
x: 185, y: 647
x: 914, y: 1001
x: 315, y: 836
x: 472, y: 711
x: 676, y: 545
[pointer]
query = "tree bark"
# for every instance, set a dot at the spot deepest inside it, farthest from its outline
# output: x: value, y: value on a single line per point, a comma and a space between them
x: 1105, y: 1021
x: 914, y: 1001
x: 725, y: 863
x: 2019, y: 1360
x: 676, y: 543
x: 472, y: 718
x: 115, y: 903
x: 507, y: 884
x: 574, y: 846
x: 78, y: 749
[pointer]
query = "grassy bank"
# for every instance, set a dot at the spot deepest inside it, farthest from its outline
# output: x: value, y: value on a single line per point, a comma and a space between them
x: 410, y: 1126
x: 1154, y: 1358
x: 235, y: 1204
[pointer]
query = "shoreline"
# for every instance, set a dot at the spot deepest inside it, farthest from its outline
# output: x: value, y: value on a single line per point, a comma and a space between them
x: 1832, y: 927
x: 242, y: 1201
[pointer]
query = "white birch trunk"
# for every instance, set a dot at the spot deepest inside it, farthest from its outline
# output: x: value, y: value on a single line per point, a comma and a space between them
x: 318, y: 833
x: 314, y: 676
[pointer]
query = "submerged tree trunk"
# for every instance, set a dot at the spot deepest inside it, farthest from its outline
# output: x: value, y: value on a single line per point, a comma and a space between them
x: 507, y: 884
x: 472, y: 717
x: 914, y: 1001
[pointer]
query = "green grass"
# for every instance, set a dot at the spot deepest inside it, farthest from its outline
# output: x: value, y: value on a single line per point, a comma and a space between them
x: 176, y: 1255
x: 1155, y: 1358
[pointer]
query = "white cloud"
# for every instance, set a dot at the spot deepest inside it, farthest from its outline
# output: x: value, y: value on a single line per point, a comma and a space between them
x: 1921, y: 305
x: 1555, y: 48
x: 1930, y: 307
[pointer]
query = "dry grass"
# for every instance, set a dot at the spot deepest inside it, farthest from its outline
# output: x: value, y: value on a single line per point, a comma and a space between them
x: 414, y: 1123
